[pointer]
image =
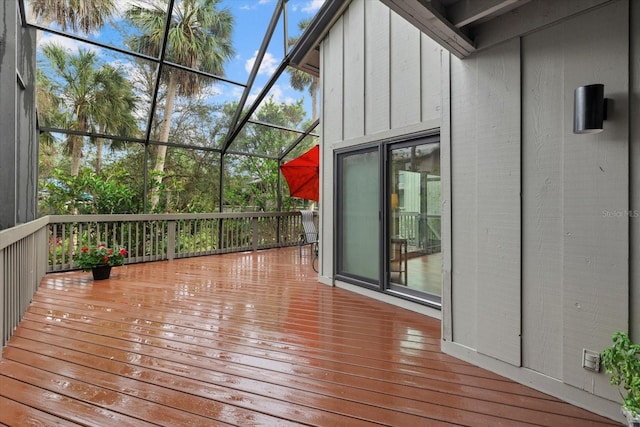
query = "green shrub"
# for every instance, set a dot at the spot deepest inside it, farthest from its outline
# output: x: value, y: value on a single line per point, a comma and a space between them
x: 622, y: 361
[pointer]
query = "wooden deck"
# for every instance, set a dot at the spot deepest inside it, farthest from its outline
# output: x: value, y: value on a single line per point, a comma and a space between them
x: 244, y: 339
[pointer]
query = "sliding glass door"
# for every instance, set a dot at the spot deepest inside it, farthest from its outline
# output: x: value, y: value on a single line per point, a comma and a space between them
x: 414, y: 262
x: 388, y: 218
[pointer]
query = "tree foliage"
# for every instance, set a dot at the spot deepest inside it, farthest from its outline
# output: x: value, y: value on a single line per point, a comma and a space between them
x: 199, y: 37
x: 80, y: 94
x: 76, y: 15
x: 80, y: 91
x: 254, y: 180
x: 301, y: 80
x: 88, y: 193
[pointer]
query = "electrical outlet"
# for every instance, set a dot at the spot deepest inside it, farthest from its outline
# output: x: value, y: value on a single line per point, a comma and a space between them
x: 590, y: 360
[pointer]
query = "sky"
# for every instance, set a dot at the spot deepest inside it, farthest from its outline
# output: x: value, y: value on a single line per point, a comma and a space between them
x: 251, y: 21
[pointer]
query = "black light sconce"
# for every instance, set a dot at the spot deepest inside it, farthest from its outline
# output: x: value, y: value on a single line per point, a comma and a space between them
x: 590, y: 109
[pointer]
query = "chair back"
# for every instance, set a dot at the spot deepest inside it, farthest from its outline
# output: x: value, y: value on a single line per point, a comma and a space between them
x: 310, y: 231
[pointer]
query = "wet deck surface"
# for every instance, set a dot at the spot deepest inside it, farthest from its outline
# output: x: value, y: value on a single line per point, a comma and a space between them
x: 244, y: 339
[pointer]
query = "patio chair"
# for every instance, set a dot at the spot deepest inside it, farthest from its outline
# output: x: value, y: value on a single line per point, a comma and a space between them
x: 310, y: 235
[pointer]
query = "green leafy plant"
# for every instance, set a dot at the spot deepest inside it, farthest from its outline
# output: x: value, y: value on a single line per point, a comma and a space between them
x: 90, y: 257
x: 622, y: 361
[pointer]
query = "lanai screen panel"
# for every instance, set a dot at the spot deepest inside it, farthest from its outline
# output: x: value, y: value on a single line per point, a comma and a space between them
x: 132, y: 74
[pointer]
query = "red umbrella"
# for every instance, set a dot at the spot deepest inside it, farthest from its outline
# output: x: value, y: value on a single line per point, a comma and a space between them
x: 303, y: 175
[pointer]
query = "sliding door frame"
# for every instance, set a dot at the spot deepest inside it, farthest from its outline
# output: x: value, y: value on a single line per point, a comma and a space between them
x: 383, y: 148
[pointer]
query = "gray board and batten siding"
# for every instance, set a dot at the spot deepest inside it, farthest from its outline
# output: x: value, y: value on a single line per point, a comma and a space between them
x: 541, y: 242
x: 568, y: 254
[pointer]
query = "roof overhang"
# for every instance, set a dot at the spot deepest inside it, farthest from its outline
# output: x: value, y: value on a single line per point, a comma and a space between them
x: 448, y: 22
x: 305, y: 55
x: 451, y: 23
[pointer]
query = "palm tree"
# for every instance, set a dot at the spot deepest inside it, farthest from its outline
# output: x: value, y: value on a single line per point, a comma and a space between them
x: 48, y: 106
x: 95, y: 97
x: 299, y: 80
x: 199, y: 37
x: 77, y: 15
x: 48, y: 114
x: 116, y: 95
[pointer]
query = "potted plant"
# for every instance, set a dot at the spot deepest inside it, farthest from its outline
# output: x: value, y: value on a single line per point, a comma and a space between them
x: 622, y: 361
x: 99, y: 260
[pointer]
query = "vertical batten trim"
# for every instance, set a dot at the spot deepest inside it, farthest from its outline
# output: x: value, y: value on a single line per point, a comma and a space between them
x: 445, y: 144
x: 634, y: 173
x: 364, y: 69
x: 521, y: 219
x: 389, y: 76
x: 421, y: 76
x: 343, y: 71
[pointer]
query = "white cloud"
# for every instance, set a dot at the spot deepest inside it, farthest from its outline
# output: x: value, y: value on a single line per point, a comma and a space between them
x: 212, y: 91
x: 67, y: 43
x: 312, y: 6
x: 278, y: 96
x: 252, y: 97
x: 276, y: 93
x: 254, y: 6
x: 268, y: 65
x: 236, y: 92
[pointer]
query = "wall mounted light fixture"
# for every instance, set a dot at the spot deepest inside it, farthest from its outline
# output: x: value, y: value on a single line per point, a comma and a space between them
x: 589, y: 109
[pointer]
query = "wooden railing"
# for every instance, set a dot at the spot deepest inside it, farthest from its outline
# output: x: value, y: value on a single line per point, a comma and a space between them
x: 166, y: 236
x: 23, y: 263
x: 48, y: 244
x: 422, y: 231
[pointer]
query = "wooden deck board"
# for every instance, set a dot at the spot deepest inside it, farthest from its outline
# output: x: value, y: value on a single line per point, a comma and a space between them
x: 244, y: 339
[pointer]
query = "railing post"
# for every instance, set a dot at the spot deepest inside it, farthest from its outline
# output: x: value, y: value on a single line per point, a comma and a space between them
x: 220, y: 224
x: 254, y: 229
x: 278, y: 225
x: 171, y: 240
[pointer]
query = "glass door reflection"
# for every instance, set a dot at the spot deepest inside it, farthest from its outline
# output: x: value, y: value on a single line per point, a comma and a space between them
x: 414, y: 262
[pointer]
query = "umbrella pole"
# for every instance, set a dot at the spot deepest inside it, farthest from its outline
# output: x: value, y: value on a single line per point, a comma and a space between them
x: 279, y: 202
x: 279, y: 197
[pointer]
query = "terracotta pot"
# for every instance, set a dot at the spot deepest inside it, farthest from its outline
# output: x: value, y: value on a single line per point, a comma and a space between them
x: 101, y: 272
